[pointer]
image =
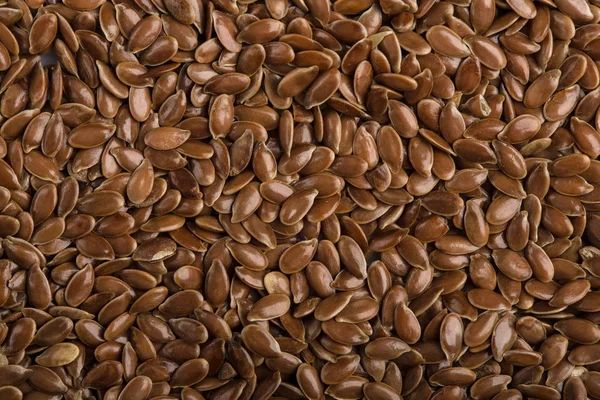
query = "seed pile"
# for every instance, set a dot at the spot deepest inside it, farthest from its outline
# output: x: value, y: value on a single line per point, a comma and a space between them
x: 300, y: 200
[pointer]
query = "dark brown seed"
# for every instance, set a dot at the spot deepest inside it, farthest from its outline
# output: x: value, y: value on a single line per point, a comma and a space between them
x: 259, y: 341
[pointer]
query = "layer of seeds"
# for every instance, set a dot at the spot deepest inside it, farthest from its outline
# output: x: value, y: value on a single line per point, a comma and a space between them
x: 357, y: 199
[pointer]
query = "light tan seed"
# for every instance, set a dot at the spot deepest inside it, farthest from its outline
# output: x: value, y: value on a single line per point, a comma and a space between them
x: 58, y: 355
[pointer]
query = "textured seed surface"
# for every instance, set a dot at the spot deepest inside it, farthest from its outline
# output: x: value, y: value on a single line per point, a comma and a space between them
x: 286, y: 199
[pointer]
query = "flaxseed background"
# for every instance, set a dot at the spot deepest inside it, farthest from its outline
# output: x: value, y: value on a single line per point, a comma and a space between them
x: 273, y: 199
